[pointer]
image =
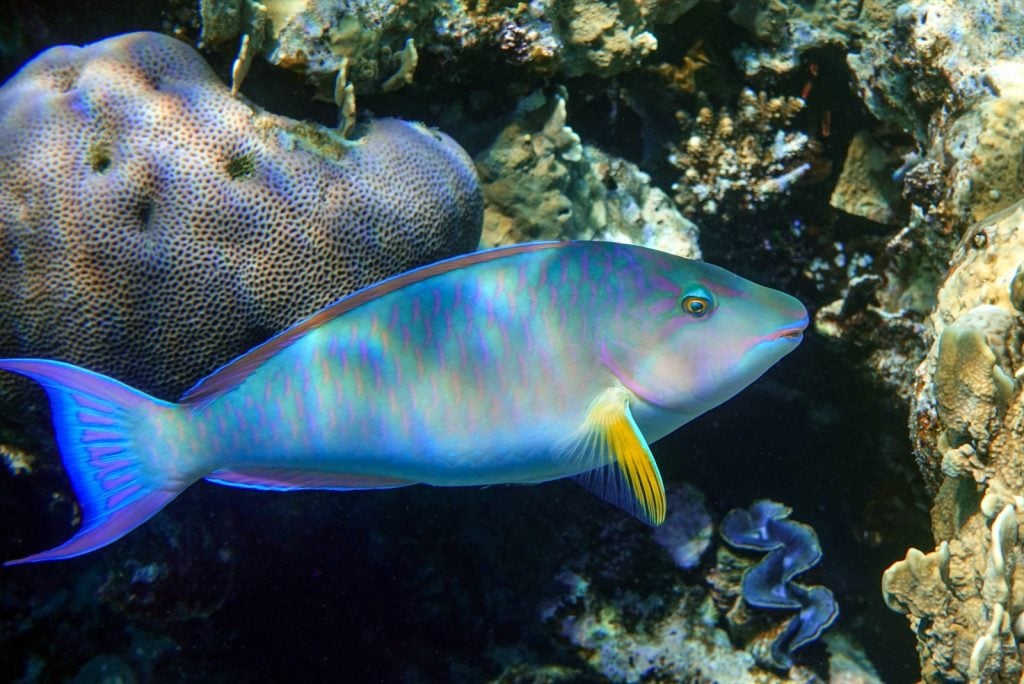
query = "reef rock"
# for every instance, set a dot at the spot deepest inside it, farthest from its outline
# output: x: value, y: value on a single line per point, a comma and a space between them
x: 541, y: 183
x: 152, y: 227
x: 948, y: 72
x: 965, y: 600
x: 365, y: 43
x: 785, y: 29
x: 865, y: 187
x: 950, y: 76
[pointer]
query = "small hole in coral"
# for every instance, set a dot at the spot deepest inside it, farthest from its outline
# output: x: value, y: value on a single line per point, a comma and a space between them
x: 99, y: 158
x: 241, y: 165
x: 64, y: 78
x: 145, y: 212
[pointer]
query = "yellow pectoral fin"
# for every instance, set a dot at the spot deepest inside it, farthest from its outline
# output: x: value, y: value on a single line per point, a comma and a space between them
x: 617, y: 462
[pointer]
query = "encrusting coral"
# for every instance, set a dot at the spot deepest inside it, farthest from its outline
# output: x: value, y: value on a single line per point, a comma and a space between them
x: 152, y: 227
x: 965, y: 600
x: 734, y: 162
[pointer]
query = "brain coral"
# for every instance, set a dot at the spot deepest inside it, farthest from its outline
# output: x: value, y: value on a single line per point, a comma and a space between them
x: 152, y: 227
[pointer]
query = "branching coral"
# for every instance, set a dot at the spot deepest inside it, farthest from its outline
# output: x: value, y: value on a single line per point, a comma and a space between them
x: 733, y: 162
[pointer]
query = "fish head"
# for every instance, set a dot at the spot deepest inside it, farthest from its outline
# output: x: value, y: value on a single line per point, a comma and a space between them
x: 697, y: 334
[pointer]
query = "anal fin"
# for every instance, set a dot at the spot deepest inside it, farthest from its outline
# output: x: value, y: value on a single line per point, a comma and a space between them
x: 617, y: 463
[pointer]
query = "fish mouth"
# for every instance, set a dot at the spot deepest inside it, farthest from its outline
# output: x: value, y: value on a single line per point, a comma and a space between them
x: 794, y: 332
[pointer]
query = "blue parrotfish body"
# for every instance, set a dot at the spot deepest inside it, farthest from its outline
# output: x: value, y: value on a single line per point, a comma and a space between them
x: 516, y: 365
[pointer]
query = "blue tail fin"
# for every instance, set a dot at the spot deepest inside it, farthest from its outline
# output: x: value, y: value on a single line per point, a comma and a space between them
x: 116, y: 482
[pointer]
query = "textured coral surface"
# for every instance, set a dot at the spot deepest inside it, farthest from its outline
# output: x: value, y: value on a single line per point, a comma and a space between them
x: 152, y: 227
x: 966, y: 598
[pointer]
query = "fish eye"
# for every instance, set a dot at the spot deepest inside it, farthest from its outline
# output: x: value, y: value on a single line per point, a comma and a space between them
x: 696, y: 305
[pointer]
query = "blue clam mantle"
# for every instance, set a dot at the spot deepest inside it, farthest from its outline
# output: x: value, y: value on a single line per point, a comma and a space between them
x: 792, y: 549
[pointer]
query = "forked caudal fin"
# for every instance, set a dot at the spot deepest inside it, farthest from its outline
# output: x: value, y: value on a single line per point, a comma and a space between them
x: 97, y: 421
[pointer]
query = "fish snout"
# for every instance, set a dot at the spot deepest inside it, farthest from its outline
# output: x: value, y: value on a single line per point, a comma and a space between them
x: 793, y: 332
x: 798, y: 320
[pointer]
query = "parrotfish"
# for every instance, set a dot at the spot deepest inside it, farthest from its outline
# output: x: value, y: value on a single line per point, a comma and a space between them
x: 514, y: 365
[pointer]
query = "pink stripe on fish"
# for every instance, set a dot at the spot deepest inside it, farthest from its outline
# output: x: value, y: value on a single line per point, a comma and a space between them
x: 662, y: 306
x: 101, y: 436
x: 99, y: 453
x: 88, y: 418
x: 111, y: 483
x: 115, y: 499
x: 88, y: 403
x: 664, y: 285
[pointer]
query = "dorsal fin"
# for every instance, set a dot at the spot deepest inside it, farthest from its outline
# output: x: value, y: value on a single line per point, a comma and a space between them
x: 230, y: 374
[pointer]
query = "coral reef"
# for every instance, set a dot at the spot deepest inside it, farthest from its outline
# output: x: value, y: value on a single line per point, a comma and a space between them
x: 734, y: 162
x: 365, y: 43
x: 923, y: 55
x: 687, y: 630
x: 792, y: 549
x: 541, y: 183
x: 935, y: 148
x: 153, y: 227
x: 947, y: 75
x: 965, y: 598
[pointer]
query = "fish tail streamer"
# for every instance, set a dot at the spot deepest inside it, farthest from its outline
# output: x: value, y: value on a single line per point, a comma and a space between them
x: 111, y: 452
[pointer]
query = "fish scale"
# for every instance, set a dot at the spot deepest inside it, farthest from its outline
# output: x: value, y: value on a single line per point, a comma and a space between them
x: 516, y: 365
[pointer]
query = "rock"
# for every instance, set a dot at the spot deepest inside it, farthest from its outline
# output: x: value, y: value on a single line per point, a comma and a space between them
x: 865, y: 187
x: 541, y: 183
